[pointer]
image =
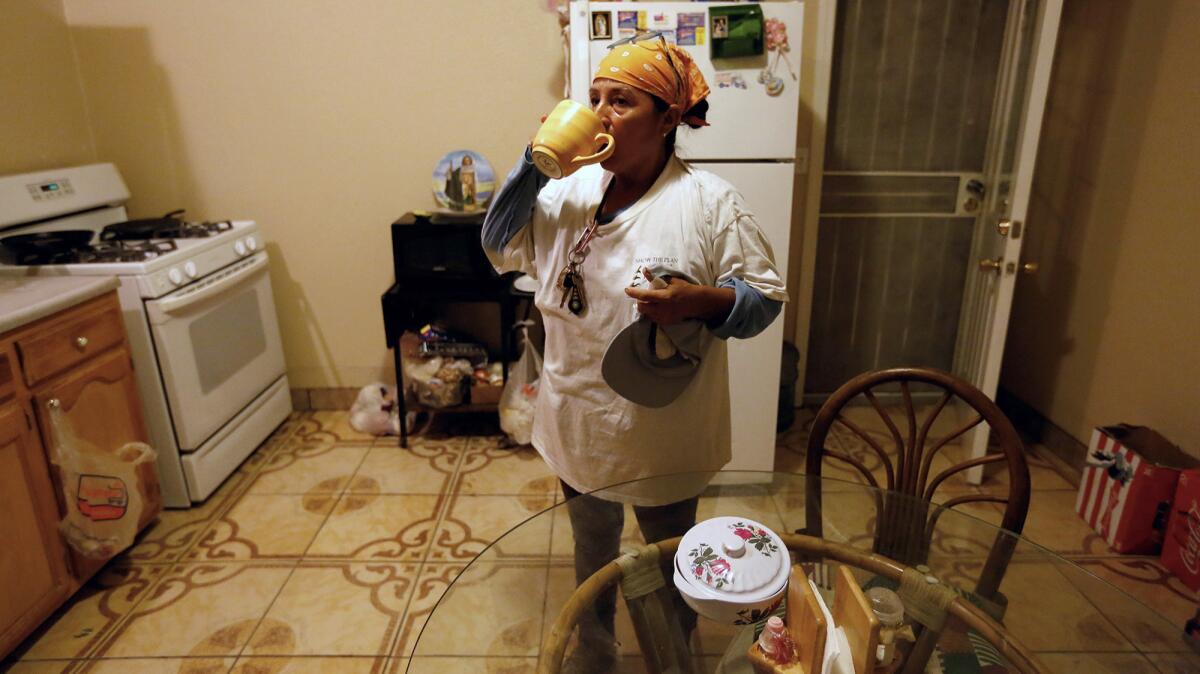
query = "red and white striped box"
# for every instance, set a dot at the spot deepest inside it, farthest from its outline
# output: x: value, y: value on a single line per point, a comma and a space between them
x: 1128, y: 486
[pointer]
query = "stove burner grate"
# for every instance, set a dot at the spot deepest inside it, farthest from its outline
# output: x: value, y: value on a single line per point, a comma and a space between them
x: 124, y: 251
x: 193, y: 230
x: 163, y: 228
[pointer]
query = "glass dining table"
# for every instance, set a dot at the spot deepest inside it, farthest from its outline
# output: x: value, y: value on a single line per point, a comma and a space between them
x: 497, y: 615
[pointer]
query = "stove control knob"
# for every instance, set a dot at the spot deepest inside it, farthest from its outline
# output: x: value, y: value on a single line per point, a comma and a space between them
x: 175, y: 275
x: 189, y: 268
x: 239, y: 248
x: 252, y: 243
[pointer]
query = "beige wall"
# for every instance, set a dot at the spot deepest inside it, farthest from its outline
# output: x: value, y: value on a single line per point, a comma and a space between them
x: 1107, y: 331
x: 322, y: 120
x: 43, y: 123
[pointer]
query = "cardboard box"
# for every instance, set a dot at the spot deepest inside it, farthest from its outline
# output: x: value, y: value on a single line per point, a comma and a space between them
x: 1181, y: 549
x: 485, y: 394
x: 1129, y: 485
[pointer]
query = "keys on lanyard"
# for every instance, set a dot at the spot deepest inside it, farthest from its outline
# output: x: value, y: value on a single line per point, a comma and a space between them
x: 570, y: 282
x: 570, y: 279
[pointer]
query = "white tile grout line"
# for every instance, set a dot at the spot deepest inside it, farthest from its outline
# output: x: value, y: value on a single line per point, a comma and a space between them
x: 234, y: 499
x: 296, y: 563
x: 546, y: 582
x: 238, y: 492
x: 449, y: 491
x: 172, y: 563
x: 442, y: 507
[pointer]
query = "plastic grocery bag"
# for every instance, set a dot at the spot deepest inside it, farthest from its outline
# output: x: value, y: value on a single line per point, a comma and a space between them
x: 100, y: 490
x: 520, y: 391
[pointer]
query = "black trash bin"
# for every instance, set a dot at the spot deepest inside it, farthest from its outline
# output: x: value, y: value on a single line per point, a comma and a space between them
x: 787, y: 387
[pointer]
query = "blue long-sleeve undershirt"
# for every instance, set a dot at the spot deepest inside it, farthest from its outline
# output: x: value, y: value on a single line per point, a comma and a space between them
x: 513, y: 206
x: 512, y: 209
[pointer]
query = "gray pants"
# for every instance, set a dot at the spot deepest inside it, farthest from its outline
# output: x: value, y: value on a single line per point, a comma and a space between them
x: 596, y: 525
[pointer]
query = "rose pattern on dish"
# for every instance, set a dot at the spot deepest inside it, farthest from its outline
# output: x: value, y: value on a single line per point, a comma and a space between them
x: 756, y: 536
x: 751, y: 616
x: 709, y: 566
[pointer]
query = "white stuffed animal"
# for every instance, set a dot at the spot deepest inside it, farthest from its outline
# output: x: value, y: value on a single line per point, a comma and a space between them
x: 375, y: 411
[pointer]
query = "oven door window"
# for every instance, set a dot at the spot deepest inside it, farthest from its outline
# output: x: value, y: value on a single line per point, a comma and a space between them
x: 227, y: 339
x: 217, y: 344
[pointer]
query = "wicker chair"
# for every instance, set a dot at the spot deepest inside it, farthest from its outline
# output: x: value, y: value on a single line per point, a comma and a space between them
x: 906, y: 516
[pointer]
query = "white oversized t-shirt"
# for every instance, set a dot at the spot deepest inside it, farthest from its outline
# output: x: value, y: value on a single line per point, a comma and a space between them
x: 690, y: 222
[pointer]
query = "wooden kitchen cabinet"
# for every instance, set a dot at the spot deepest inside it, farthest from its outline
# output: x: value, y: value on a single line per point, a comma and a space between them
x: 99, y: 400
x: 70, y: 339
x: 33, y: 571
x: 77, y: 361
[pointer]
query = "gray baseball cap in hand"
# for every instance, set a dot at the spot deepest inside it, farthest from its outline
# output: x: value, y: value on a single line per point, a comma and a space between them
x: 651, y: 365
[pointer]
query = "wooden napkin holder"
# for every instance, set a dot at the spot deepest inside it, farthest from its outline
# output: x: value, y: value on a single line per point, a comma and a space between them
x: 807, y: 626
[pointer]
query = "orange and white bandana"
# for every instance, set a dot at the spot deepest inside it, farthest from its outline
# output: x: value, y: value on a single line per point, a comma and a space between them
x: 660, y: 69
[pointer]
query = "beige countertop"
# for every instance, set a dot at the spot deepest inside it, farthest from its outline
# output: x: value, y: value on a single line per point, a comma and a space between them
x: 25, y: 299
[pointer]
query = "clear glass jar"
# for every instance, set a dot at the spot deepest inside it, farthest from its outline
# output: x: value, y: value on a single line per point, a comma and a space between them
x: 890, y: 610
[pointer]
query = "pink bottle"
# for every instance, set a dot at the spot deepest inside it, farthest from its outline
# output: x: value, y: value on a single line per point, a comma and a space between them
x: 776, y: 642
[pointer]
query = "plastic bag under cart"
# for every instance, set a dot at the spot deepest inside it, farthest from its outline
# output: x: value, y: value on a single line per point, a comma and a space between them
x: 519, y: 399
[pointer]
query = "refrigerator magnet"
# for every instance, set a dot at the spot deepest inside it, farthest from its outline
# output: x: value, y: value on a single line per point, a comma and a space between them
x: 774, y: 85
x: 737, y: 30
x: 720, y: 27
x: 691, y: 19
x: 602, y: 25
x: 729, y: 80
x: 627, y: 19
x: 686, y: 35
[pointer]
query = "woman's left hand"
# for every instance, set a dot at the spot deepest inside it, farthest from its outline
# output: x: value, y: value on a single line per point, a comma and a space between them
x: 682, y: 300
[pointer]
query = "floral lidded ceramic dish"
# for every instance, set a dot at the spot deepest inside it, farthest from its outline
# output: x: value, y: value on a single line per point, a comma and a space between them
x: 732, y: 570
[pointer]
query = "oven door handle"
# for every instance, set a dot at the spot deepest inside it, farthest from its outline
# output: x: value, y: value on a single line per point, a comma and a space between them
x: 174, y: 305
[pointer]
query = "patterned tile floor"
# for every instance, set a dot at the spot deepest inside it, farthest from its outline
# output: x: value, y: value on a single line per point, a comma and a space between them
x: 327, y: 550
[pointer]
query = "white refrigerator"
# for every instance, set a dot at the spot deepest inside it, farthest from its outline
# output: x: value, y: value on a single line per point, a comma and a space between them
x: 751, y: 142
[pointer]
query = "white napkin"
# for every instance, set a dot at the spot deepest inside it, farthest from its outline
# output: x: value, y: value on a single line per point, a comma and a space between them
x: 837, y: 658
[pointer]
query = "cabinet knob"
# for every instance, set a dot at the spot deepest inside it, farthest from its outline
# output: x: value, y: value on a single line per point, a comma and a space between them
x: 53, y: 403
x: 81, y: 342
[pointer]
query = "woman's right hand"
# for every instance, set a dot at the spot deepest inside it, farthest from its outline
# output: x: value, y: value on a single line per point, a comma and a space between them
x: 543, y: 121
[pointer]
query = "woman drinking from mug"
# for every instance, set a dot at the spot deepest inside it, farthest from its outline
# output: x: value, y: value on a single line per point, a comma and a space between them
x: 597, y: 236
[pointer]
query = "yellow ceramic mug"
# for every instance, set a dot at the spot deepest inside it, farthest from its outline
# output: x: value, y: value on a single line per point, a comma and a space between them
x: 571, y: 137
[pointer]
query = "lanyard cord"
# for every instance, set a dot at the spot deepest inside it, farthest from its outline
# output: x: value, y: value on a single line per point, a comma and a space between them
x: 580, y: 250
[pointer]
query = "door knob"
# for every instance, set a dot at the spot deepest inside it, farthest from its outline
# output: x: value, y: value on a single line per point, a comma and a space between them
x: 1030, y: 267
x: 990, y: 264
x: 1009, y: 228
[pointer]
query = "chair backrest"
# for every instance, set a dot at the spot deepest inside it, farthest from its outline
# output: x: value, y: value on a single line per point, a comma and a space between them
x: 903, y: 531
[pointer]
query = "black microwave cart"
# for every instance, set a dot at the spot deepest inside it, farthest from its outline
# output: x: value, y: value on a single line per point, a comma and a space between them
x: 439, y: 260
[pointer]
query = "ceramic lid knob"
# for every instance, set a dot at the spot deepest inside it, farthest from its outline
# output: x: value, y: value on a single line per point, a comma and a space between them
x: 734, y: 547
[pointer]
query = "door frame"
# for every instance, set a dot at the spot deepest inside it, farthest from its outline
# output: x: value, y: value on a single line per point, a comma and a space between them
x: 805, y: 254
x: 820, y: 21
x: 979, y: 356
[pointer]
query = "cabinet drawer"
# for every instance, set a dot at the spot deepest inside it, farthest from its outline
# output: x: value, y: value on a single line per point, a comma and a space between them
x: 71, y: 341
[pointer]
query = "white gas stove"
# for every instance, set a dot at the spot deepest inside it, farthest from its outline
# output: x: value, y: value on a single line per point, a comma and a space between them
x: 198, y: 309
x: 160, y: 265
